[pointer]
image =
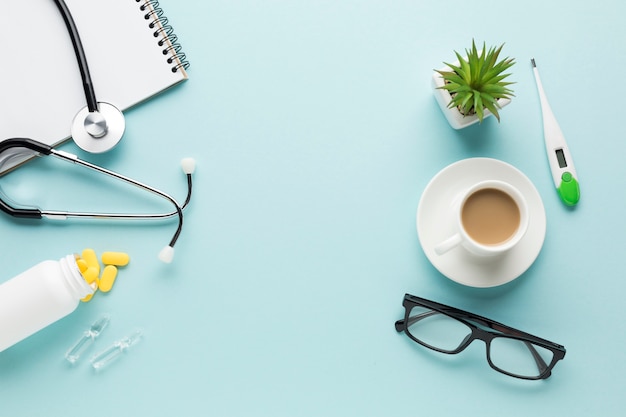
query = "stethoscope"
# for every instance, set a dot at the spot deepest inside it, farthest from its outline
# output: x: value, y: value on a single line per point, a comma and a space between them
x: 96, y: 128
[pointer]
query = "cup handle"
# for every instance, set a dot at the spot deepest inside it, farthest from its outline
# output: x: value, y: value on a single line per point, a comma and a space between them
x: 448, y: 244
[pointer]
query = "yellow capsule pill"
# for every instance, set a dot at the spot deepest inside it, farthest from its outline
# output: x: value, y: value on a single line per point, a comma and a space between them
x: 115, y: 258
x: 86, y: 298
x: 89, y: 255
x: 82, y: 265
x: 108, y: 278
x: 90, y: 275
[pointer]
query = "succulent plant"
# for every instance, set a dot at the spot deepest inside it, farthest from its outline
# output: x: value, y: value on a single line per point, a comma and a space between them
x: 476, y: 83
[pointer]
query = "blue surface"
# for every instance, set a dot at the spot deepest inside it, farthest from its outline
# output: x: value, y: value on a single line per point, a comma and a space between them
x: 315, y: 131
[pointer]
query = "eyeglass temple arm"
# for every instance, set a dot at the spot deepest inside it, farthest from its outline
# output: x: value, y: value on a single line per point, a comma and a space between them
x: 414, y: 319
x: 541, y: 364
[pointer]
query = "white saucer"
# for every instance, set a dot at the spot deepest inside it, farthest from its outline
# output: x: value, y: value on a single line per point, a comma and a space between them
x: 435, y: 223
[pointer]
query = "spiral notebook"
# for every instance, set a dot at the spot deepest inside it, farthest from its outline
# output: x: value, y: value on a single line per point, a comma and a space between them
x: 131, y: 51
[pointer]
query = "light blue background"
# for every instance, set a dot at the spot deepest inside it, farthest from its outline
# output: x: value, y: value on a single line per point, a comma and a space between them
x: 315, y: 132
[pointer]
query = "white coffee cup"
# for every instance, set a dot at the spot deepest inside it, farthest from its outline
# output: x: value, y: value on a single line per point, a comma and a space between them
x: 491, y: 218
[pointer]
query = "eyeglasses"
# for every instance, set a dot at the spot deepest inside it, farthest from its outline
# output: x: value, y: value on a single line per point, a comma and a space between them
x: 449, y: 330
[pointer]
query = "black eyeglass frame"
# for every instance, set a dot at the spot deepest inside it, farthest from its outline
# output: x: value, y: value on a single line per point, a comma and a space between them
x: 477, y: 333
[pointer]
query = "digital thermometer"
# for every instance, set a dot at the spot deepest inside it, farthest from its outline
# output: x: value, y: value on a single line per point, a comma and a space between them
x: 559, y: 157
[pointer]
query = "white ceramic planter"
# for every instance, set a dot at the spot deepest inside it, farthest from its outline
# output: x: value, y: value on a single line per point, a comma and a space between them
x: 456, y: 119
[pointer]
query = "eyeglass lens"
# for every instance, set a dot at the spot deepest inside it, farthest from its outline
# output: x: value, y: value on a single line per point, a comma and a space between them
x: 519, y: 357
x: 437, y: 330
x: 446, y: 334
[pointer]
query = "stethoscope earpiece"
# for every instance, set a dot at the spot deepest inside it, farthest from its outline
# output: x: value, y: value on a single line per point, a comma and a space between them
x: 188, y: 165
x: 98, y: 131
x: 167, y: 254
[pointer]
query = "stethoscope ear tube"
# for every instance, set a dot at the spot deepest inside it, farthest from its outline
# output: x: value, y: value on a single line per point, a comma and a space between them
x: 31, y: 144
x: 23, y: 213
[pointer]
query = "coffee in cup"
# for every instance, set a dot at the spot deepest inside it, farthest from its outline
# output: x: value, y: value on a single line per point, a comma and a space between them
x: 491, y: 218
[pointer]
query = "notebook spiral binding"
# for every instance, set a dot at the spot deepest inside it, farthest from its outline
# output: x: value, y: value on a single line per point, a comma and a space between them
x: 164, y: 32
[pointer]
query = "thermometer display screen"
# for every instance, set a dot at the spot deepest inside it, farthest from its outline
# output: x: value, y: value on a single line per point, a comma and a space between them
x: 560, y: 157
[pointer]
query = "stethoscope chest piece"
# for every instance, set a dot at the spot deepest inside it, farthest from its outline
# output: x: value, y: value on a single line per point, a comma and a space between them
x: 99, y: 131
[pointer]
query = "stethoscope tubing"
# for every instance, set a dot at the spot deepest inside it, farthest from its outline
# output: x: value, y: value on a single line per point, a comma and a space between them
x: 90, y: 94
x: 69, y: 157
x: 36, y: 213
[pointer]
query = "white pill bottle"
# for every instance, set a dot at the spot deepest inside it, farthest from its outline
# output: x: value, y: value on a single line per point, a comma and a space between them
x: 38, y: 297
